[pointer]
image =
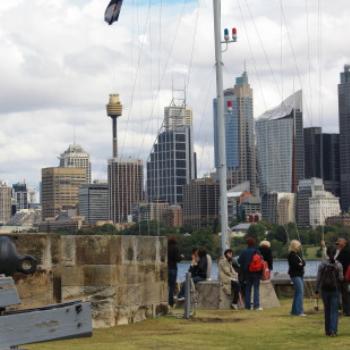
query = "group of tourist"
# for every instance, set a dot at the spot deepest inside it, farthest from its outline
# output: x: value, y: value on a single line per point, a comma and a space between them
x: 241, y: 277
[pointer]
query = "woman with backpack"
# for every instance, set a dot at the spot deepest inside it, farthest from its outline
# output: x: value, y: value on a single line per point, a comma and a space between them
x: 329, y: 278
x: 296, y: 272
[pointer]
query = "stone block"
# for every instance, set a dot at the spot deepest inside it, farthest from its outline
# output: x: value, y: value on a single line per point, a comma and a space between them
x: 35, y: 290
x: 268, y: 297
x: 98, y: 250
x: 68, y: 250
x: 129, y: 245
x: 208, y: 293
x: 89, y: 275
x: 128, y: 295
x: 147, y: 249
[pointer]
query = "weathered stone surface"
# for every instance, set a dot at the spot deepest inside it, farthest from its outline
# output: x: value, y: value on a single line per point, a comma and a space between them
x: 124, y: 277
x: 268, y: 297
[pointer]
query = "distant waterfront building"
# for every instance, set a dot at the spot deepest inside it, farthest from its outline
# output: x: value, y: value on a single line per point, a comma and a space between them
x: 280, y: 146
x: 314, y: 204
x: 93, y: 202
x: 278, y: 207
x: 344, y: 140
x: 239, y: 131
x: 60, y: 189
x: 20, y: 195
x: 341, y: 220
x: 201, y: 203
x: 5, y: 203
x: 322, y: 158
x: 171, y: 163
x: 321, y: 206
x: 163, y: 213
x: 76, y: 157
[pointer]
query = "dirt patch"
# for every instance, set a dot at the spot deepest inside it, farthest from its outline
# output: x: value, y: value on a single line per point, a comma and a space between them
x: 216, y: 320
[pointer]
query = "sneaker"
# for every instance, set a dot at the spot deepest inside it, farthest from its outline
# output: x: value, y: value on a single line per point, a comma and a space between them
x: 259, y: 309
x: 302, y: 315
x: 234, y: 306
x: 180, y: 298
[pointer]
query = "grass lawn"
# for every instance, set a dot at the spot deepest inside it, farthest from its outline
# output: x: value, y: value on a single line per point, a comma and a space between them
x: 248, y: 330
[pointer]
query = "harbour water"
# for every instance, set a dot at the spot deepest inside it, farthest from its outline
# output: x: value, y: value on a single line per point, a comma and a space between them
x: 280, y: 267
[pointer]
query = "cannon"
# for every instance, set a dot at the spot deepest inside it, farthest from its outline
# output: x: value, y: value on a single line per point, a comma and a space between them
x: 47, y: 323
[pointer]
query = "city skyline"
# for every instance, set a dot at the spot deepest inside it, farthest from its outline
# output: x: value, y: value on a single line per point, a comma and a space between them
x: 50, y: 90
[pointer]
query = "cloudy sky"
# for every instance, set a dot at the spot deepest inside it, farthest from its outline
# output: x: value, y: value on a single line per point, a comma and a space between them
x: 59, y: 61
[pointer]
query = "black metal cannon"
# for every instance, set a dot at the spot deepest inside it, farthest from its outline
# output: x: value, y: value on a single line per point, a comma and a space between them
x: 11, y: 262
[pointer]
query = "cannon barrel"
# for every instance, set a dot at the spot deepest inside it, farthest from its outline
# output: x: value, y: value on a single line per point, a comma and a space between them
x: 11, y: 262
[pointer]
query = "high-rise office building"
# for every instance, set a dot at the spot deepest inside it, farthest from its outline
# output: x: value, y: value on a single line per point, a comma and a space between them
x: 171, y: 164
x: 278, y: 208
x: 60, y: 189
x: 201, y: 203
x: 20, y: 195
x: 93, y: 202
x: 76, y: 157
x: 125, y: 177
x: 5, y: 203
x: 239, y: 132
x: 344, y: 139
x: 125, y: 180
x: 280, y: 146
x: 322, y: 158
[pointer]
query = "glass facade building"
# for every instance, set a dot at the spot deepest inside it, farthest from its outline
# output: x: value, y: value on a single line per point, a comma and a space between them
x: 280, y: 146
x: 344, y: 139
x: 239, y: 133
x: 171, y: 163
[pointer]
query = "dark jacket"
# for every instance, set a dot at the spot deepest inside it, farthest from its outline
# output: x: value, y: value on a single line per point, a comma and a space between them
x: 245, y: 258
x: 202, y: 267
x: 344, y: 258
x: 266, y: 253
x: 296, y: 265
x: 173, y: 256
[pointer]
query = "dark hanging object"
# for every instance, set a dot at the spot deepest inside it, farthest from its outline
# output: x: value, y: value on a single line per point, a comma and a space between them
x: 112, y: 11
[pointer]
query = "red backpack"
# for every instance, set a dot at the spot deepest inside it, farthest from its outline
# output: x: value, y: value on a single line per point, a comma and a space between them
x: 257, y: 263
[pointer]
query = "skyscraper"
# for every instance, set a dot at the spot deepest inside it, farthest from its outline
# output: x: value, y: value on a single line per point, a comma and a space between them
x: 280, y: 146
x: 60, y: 189
x: 125, y: 177
x: 76, y: 157
x: 93, y: 202
x: 322, y: 158
x: 201, y: 203
x: 5, y: 203
x: 20, y: 195
x: 240, y: 138
x: 344, y: 139
x: 171, y: 164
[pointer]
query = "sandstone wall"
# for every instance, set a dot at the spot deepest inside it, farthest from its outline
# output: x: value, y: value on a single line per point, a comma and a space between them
x: 124, y: 277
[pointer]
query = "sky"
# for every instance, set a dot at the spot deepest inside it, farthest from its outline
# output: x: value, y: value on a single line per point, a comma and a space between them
x: 59, y: 61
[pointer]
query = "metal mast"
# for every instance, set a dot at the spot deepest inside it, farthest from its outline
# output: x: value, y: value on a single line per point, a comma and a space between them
x: 222, y: 168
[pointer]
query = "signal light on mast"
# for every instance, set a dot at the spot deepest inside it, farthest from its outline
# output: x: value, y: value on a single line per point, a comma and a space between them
x: 234, y: 34
x: 229, y: 106
x: 226, y: 35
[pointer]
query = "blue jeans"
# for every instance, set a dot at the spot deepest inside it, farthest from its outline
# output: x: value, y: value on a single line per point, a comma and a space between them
x: 172, y: 275
x: 298, y: 300
x: 195, y: 280
x: 252, y: 282
x: 331, y: 305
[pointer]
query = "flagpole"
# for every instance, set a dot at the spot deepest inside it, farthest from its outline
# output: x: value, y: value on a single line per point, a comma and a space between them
x: 222, y: 168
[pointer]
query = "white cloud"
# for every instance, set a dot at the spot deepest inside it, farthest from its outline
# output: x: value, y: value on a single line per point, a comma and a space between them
x: 59, y: 61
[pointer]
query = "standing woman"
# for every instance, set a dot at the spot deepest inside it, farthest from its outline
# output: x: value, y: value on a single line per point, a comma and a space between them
x: 329, y: 278
x: 296, y: 272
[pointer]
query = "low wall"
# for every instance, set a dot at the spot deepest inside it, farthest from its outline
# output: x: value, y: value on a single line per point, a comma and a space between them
x: 284, y: 287
x: 124, y: 277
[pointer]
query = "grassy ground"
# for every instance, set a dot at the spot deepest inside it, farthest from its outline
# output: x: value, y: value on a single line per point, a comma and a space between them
x: 248, y: 330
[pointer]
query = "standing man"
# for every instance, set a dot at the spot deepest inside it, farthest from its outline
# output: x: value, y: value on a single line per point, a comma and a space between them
x: 251, y: 264
x: 343, y: 256
x: 173, y: 258
x: 229, y: 278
